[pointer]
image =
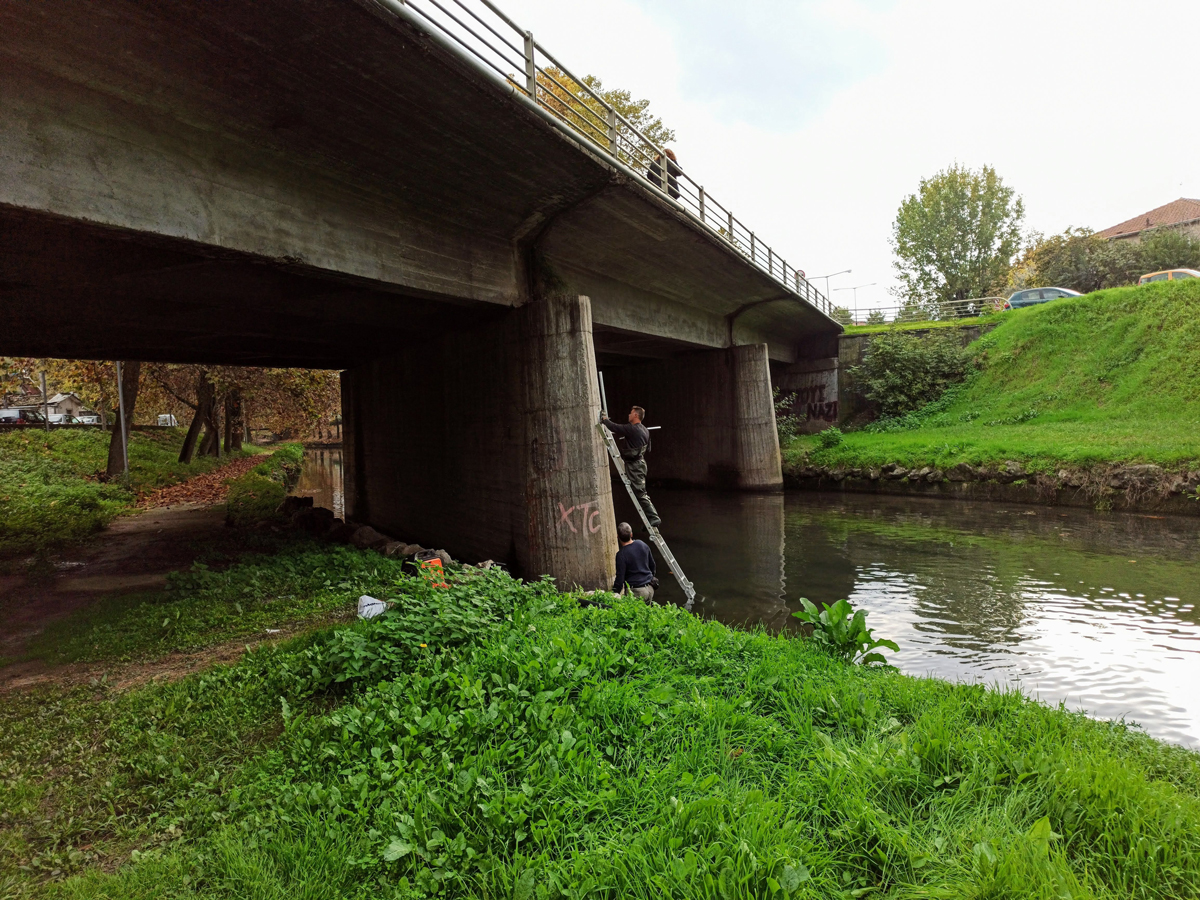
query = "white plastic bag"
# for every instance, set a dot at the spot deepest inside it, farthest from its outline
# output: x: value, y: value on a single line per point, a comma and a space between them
x: 369, y: 607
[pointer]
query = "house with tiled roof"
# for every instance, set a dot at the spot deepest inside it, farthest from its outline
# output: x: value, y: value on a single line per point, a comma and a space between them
x: 1182, y: 215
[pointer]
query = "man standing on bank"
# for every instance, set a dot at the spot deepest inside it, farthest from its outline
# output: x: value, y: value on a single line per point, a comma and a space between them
x: 637, y: 442
x: 635, y: 565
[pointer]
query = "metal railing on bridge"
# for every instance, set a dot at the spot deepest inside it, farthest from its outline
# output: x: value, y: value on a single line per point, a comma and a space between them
x: 919, y: 312
x: 480, y: 30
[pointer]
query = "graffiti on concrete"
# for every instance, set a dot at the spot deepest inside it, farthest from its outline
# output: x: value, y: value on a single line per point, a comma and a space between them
x: 589, y: 517
x: 826, y: 412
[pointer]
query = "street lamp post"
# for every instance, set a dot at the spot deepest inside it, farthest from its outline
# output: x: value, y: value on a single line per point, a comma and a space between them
x: 855, y: 301
x: 827, y: 277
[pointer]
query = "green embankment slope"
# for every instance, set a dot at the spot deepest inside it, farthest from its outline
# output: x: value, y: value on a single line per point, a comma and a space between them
x: 1111, y: 377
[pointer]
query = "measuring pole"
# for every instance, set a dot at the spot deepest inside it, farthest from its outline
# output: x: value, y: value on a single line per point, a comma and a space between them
x: 655, y: 538
x: 121, y: 415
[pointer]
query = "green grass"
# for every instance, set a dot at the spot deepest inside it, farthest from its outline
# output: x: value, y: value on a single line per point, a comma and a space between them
x: 50, y: 493
x: 1112, y: 377
x: 497, y: 740
x: 985, y: 319
x: 283, y: 581
x: 256, y: 495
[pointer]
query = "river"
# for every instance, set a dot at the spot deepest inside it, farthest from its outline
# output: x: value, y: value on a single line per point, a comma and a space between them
x: 1097, y: 611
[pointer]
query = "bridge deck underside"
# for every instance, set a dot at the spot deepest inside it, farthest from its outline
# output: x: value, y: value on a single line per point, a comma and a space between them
x: 312, y: 182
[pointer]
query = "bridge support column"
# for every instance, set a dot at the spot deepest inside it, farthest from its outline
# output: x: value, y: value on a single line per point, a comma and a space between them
x: 484, y: 443
x: 717, y: 415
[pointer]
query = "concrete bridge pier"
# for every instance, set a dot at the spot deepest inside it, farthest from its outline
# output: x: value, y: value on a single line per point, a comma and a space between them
x: 716, y: 412
x: 484, y: 442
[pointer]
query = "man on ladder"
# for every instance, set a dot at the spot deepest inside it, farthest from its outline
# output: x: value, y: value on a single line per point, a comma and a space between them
x: 637, y: 442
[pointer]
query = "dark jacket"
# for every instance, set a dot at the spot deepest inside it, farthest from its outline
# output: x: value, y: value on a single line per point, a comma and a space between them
x: 637, y: 437
x: 654, y: 173
x: 635, y: 566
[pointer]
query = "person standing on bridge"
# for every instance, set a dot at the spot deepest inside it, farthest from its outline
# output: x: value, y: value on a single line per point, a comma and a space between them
x: 654, y: 173
x: 635, y: 566
x: 637, y: 443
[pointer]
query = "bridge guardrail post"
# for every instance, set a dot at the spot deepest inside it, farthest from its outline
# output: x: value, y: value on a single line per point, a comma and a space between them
x: 530, y: 68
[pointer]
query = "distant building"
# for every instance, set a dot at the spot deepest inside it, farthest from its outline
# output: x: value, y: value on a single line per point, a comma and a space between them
x: 1181, y: 215
x: 68, y: 404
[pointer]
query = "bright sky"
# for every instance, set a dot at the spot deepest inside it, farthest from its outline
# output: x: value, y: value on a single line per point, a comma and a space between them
x: 812, y: 119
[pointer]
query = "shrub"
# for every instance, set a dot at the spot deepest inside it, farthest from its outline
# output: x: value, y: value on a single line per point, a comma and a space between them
x: 828, y: 438
x: 902, y: 372
x: 787, y: 423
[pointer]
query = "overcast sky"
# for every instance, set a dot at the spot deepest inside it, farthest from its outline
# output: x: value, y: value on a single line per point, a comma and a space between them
x: 813, y: 120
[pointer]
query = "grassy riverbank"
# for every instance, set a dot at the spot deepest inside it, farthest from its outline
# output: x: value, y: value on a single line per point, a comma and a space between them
x: 50, y: 490
x: 497, y: 740
x: 1112, y: 377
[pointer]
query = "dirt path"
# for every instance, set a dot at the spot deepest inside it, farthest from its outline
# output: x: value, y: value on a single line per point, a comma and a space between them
x: 134, y: 553
x: 125, y: 675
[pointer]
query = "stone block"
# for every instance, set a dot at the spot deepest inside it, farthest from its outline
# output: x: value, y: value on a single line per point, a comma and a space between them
x: 367, y: 538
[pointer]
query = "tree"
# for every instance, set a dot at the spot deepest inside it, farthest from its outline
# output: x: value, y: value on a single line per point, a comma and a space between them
x: 130, y: 383
x: 577, y: 105
x: 842, y: 316
x: 875, y: 317
x: 956, y: 238
x: 1076, y: 259
x: 1167, y: 248
x: 1085, y: 262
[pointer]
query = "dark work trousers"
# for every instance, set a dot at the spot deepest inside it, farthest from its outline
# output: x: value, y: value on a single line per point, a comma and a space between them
x: 636, y: 470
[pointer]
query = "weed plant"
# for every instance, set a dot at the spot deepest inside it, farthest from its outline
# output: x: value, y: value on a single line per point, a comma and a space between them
x: 495, y: 739
x: 1111, y: 377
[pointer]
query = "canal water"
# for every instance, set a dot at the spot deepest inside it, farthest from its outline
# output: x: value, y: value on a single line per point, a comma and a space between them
x: 1094, y: 610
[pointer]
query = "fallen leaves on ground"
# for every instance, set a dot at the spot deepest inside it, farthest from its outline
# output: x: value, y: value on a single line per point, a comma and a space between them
x: 208, y: 488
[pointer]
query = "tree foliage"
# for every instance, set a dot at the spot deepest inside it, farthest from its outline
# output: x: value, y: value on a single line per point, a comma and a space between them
x: 577, y: 105
x: 956, y: 238
x: 902, y: 371
x: 1085, y: 262
x: 275, y: 399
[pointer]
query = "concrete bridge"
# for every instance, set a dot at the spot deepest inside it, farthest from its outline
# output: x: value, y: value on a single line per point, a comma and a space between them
x: 345, y: 184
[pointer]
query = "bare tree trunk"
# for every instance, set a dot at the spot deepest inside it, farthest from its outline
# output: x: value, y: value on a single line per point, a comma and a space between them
x: 130, y: 380
x: 204, y: 400
x: 211, y: 444
x: 233, y: 421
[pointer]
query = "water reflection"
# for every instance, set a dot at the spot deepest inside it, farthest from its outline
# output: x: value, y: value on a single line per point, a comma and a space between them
x: 321, y: 479
x: 1094, y: 611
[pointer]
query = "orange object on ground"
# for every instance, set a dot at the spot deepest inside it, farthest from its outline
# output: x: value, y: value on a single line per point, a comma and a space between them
x: 432, y: 570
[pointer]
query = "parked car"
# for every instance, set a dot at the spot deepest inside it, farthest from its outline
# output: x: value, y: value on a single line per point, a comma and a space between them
x: 1034, y: 296
x: 1169, y: 275
x: 166, y: 420
x: 89, y: 419
x: 21, y: 417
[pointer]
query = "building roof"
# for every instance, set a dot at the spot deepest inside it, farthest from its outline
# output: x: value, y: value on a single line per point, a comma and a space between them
x: 59, y: 398
x: 1174, y: 213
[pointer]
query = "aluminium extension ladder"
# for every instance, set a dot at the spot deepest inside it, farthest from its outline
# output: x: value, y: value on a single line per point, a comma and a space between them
x: 655, y: 538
